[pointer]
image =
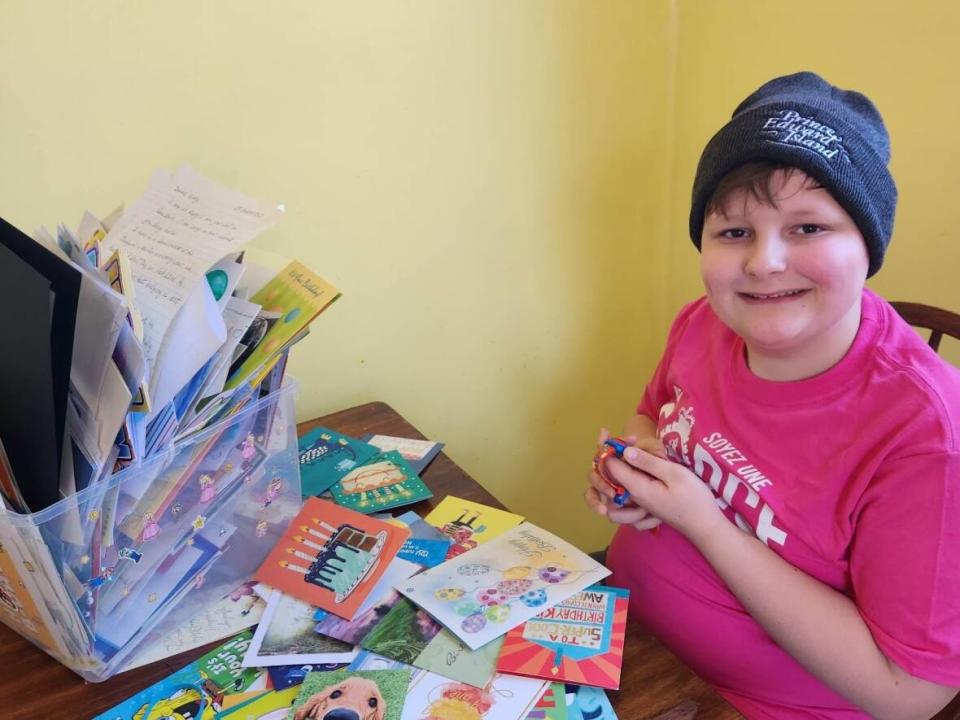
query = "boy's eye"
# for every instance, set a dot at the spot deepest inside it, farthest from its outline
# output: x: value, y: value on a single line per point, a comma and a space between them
x: 733, y: 234
x: 809, y: 229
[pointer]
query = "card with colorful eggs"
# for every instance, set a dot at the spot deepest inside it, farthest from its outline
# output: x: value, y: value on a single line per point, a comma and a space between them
x: 485, y: 592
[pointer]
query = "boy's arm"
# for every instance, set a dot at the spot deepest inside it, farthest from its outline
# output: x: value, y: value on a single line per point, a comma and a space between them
x: 820, y: 627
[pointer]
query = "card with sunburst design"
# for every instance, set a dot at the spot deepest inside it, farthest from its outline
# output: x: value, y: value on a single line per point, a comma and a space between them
x: 579, y: 640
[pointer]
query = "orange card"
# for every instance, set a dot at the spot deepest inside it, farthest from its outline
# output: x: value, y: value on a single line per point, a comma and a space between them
x: 332, y: 557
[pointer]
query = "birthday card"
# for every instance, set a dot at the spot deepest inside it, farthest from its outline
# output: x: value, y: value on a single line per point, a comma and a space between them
x: 485, y: 592
x: 331, y: 557
x: 326, y: 456
x: 469, y: 524
x: 383, y: 482
x: 579, y: 640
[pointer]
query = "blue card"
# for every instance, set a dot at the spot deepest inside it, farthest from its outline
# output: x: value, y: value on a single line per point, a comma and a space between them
x: 428, y: 553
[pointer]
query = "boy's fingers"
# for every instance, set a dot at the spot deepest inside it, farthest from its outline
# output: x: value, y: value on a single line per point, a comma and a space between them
x: 648, y: 523
x: 646, y: 462
x: 627, y: 515
x: 598, y: 484
x: 604, y: 436
x: 595, y: 502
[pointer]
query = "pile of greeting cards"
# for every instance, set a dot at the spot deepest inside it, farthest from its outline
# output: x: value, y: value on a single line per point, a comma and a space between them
x: 467, y: 613
x: 146, y: 423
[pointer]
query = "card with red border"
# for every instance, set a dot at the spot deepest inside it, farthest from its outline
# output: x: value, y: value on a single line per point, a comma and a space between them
x: 579, y: 640
x: 331, y: 557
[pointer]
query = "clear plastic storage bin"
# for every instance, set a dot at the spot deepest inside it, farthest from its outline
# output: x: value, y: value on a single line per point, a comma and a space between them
x: 90, y: 578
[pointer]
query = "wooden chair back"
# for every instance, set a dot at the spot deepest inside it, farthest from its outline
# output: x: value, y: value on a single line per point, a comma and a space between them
x: 938, y: 321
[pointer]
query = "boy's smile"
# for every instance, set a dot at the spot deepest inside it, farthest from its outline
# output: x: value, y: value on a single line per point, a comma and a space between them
x: 786, y: 278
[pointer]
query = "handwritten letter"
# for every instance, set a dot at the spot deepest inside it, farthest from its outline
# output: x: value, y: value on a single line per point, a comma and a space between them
x: 181, y: 226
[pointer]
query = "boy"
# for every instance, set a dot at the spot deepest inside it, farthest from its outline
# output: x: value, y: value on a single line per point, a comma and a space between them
x: 799, y: 443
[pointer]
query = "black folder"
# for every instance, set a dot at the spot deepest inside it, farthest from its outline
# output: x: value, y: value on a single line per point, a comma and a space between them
x: 39, y: 292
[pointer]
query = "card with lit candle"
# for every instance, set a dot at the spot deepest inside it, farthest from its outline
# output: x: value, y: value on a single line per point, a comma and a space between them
x: 332, y: 557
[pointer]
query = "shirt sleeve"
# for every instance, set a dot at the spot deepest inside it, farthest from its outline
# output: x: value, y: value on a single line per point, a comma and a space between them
x: 905, y: 564
x: 658, y: 390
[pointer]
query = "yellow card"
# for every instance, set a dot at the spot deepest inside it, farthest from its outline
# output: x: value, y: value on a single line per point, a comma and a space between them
x: 469, y: 523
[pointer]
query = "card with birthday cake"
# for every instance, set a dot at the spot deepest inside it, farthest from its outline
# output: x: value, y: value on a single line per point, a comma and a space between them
x: 579, y: 640
x: 383, y: 482
x: 485, y: 592
x: 331, y: 557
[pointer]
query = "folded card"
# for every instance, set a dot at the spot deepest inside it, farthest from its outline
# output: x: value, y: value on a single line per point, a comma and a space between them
x: 485, y: 592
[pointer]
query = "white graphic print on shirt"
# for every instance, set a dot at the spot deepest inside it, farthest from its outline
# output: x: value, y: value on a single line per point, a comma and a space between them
x: 734, y: 480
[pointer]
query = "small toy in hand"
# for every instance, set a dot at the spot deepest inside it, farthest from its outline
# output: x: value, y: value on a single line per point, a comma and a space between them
x: 612, y: 447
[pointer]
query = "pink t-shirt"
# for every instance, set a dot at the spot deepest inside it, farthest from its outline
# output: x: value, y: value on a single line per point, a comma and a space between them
x: 852, y: 475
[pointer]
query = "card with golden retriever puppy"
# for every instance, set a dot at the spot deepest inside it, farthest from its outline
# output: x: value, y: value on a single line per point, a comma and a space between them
x: 352, y: 695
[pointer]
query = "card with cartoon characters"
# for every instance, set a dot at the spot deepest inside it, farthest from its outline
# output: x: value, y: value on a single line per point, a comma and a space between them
x: 469, y: 523
x: 485, y: 592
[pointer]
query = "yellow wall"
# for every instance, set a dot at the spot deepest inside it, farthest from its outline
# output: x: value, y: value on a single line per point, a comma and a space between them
x: 500, y: 189
x: 482, y: 180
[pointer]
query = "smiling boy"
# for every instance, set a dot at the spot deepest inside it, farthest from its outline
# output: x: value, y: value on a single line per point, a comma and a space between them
x: 798, y: 441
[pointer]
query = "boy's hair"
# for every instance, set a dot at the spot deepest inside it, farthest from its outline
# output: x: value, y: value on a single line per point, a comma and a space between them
x: 835, y: 136
x: 755, y: 179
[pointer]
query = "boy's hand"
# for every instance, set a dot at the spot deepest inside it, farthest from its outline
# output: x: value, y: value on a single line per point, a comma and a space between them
x: 599, y: 495
x: 668, y: 491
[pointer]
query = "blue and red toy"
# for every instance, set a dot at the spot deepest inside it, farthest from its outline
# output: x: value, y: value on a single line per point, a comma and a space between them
x: 613, y: 447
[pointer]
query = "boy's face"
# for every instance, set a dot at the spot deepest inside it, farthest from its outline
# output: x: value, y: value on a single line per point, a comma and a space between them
x: 786, y: 279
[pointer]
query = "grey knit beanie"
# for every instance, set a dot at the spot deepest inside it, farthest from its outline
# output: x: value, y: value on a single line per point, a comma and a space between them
x: 835, y: 136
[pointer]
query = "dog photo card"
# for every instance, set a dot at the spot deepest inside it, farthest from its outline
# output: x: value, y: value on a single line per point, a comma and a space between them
x: 286, y: 636
x: 383, y: 482
x: 331, y: 557
x: 367, y: 694
x: 485, y: 592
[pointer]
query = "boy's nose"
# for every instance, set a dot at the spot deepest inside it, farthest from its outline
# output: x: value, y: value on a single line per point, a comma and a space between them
x: 767, y: 255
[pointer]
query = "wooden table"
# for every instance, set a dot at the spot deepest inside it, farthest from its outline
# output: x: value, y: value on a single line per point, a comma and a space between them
x: 33, y: 686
